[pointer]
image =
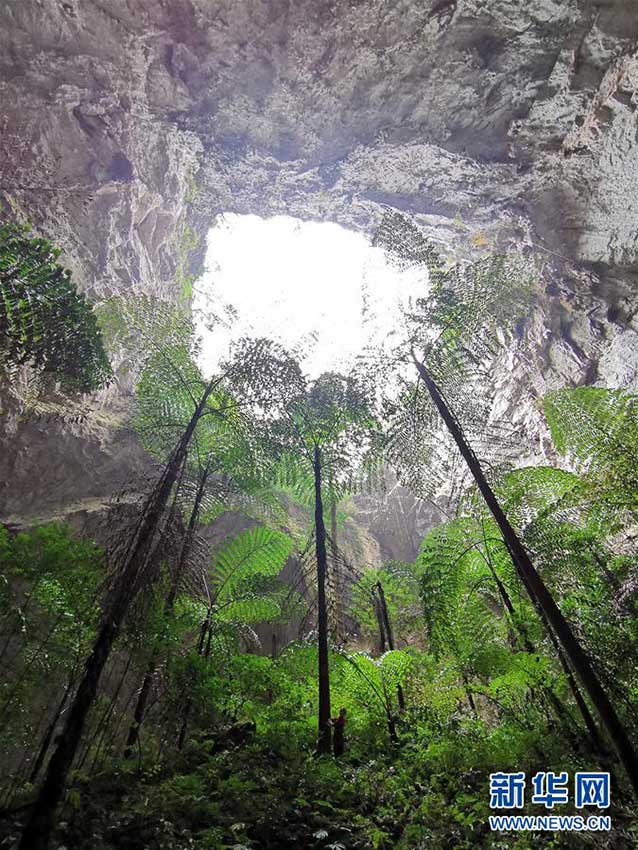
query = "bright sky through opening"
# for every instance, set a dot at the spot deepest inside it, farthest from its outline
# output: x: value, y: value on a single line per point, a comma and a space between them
x: 308, y: 283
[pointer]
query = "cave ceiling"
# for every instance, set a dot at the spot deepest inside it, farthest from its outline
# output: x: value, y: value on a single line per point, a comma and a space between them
x: 126, y: 126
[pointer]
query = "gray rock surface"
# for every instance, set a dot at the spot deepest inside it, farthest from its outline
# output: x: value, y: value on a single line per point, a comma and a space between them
x: 126, y: 125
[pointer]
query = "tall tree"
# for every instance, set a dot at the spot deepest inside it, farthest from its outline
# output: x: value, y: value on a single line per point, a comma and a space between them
x: 401, y: 594
x: 176, y: 580
x: 387, y: 627
x: 320, y: 430
x: 131, y: 577
x: 136, y: 565
x: 453, y: 336
x: 224, y: 464
x: 245, y: 589
x: 461, y: 561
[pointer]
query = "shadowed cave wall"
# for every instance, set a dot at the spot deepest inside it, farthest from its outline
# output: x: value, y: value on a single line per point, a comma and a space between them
x: 127, y: 125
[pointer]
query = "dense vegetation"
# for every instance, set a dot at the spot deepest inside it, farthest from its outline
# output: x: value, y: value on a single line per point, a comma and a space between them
x: 139, y: 706
x: 45, y: 322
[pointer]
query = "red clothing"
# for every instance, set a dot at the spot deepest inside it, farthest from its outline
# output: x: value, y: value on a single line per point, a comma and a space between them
x: 338, y: 742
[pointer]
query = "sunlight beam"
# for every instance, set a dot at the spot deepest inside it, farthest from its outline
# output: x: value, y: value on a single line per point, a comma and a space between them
x: 314, y: 286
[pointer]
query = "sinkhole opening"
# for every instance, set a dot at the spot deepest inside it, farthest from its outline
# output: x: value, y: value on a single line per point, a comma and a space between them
x: 315, y: 287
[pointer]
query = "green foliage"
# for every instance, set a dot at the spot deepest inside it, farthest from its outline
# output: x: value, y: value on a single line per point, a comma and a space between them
x: 167, y: 394
x: 139, y: 327
x: 226, y: 442
x: 334, y: 413
x: 535, y: 493
x: 271, y: 793
x: 568, y: 533
x: 268, y: 792
x: 48, y: 616
x: 402, y: 595
x: 49, y: 566
x: 467, y: 308
x: 373, y: 682
x: 598, y: 431
x: 483, y: 687
x: 463, y: 323
x: 244, y: 577
x: 464, y: 615
x: 44, y: 320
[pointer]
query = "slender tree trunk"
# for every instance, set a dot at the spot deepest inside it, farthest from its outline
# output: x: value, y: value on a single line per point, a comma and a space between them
x: 589, y: 721
x: 206, y: 636
x: 325, y: 736
x: 392, y: 729
x: 140, y: 709
x: 184, y: 726
x: 37, y: 831
x: 586, y: 714
x: 377, y: 612
x: 204, y: 630
x: 139, y: 712
x: 48, y: 735
x: 182, y: 560
x: 468, y: 693
x: 338, y: 595
x: 388, y: 630
x: 103, y: 725
x: 574, y: 651
x: 559, y: 709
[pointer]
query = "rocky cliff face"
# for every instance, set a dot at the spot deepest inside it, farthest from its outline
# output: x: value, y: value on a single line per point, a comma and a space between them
x: 128, y: 124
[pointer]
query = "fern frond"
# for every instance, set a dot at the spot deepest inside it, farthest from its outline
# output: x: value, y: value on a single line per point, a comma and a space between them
x: 597, y: 429
x: 44, y: 320
x: 257, y: 553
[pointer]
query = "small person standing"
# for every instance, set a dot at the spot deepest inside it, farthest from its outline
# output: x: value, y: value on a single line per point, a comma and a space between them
x: 338, y: 740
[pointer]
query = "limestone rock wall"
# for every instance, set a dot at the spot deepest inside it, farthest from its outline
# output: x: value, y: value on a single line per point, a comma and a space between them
x: 126, y: 125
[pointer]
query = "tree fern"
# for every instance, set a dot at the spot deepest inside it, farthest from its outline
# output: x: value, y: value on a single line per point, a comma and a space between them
x: 597, y: 429
x: 457, y: 592
x: 447, y: 338
x: 44, y: 321
x: 402, y: 594
x: 374, y: 682
x: 319, y: 431
x: 456, y: 329
x: 254, y: 554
